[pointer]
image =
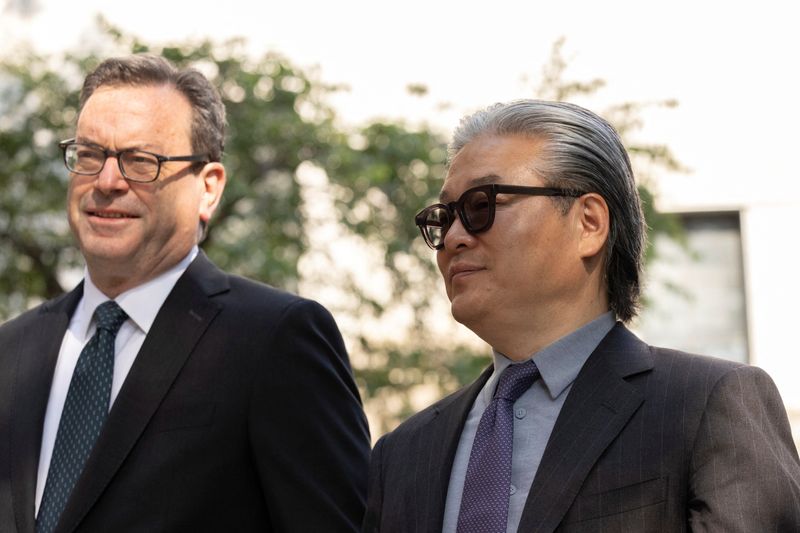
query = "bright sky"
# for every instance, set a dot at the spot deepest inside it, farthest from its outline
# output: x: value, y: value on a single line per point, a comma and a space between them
x: 732, y: 66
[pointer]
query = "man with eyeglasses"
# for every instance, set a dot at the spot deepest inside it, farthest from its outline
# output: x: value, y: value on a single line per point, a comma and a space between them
x: 578, y: 425
x: 163, y: 394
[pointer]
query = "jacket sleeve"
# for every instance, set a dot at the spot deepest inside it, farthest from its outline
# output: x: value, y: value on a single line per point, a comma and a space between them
x: 745, y: 474
x: 308, y: 431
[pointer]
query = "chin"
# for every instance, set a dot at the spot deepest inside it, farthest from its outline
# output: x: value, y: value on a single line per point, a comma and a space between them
x: 465, y: 313
x: 105, y: 251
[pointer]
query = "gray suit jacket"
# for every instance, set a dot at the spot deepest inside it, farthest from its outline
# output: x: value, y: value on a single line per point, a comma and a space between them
x: 648, y: 439
x: 240, y: 413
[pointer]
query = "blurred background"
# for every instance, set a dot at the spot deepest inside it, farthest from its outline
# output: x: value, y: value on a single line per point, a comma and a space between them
x: 339, y: 117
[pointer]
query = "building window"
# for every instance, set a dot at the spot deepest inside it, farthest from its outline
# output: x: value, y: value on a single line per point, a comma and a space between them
x: 694, y: 293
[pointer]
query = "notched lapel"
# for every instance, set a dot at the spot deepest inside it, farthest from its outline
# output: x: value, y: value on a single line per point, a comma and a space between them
x: 36, y: 360
x: 179, y: 325
x: 415, y: 463
x: 598, y: 407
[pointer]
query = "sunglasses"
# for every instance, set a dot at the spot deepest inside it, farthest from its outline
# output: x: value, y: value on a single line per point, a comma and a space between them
x: 475, y: 208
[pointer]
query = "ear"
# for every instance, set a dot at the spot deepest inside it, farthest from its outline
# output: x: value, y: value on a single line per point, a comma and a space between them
x: 213, y: 176
x: 593, y: 225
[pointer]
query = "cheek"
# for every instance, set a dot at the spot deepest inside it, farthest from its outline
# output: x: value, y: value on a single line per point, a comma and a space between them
x: 172, y: 197
x: 181, y: 207
x: 442, y: 261
x: 74, y: 194
x: 73, y: 191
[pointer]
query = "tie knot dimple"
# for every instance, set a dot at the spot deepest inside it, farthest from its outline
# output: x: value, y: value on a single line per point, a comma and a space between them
x: 110, y: 316
x: 515, y: 380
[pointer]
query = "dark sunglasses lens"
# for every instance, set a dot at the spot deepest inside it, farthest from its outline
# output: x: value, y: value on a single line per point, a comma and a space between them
x: 437, y: 222
x: 477, y: 210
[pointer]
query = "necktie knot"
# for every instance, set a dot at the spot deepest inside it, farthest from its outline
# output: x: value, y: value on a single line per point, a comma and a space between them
x: 110, y: 316
x: 515, y: 380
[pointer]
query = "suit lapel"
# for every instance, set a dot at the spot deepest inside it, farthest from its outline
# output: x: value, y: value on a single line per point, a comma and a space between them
x: 181, y: 321
x: 37, y: 356
x: 599, y: 405
x: 440, y: 439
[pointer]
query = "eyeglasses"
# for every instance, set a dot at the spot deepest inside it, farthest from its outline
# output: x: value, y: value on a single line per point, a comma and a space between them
x: 135, y: 165
x: 475, y: 208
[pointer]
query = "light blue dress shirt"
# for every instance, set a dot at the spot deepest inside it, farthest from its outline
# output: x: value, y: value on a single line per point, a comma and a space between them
x: 535, y: 414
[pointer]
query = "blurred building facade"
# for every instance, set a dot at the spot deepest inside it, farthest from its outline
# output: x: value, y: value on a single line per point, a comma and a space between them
x: 731, y: 289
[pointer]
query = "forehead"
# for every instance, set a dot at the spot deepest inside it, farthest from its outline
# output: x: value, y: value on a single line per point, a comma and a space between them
x: 123, y: 116
x: 493, y: 158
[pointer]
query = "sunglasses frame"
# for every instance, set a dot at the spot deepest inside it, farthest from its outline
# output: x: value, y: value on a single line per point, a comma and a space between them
x: 492, y: 190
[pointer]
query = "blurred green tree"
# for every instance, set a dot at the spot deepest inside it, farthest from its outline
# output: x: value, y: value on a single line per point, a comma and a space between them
x: 310, y: 205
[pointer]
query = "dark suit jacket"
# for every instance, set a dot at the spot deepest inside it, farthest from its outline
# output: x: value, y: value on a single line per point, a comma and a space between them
x: 239, y: 414
x: 648, y: 440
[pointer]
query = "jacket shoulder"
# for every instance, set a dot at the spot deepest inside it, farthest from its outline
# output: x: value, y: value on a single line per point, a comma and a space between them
x: 443, y: 407
x: 261, y: 299
x: 243, y: 296
x: 696, y: 368
x: 35, y: 314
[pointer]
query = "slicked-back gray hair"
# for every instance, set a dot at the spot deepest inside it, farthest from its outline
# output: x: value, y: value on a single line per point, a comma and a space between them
x: 581, y: 152
x: 142, y: 70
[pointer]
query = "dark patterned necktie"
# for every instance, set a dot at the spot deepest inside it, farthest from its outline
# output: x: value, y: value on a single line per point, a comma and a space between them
x: 85, y: 410
x: 487, y: 485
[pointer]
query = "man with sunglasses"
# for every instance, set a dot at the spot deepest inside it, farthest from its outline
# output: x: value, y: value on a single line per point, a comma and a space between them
x: 578, y: 425
x: 163, y: 394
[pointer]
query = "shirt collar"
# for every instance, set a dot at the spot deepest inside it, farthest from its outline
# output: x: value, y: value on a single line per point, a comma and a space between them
x: 141, y: 303
x: 560, y: 362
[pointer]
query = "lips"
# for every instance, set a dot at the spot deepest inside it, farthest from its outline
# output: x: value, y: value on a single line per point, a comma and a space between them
x: 109, y: 214
x: 461, y: 270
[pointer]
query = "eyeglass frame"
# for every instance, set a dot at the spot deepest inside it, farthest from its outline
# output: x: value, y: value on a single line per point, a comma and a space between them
x: 64, y: 145
x: 492, y: 190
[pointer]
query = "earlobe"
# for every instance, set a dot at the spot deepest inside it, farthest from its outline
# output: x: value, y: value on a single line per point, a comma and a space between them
x: 214, y: 179
x: 594, y: 224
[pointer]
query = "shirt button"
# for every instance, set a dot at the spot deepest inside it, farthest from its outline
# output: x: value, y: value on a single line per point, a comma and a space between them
x: 512, y: 490
x: 520, y: 412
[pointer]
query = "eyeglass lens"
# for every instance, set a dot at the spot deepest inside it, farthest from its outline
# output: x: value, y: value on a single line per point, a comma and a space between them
x: 135, y: 165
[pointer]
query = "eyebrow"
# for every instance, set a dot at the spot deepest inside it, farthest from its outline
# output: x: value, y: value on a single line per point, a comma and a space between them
x: 143, y: 147
x: 87, y: 140
x: 483, y: 180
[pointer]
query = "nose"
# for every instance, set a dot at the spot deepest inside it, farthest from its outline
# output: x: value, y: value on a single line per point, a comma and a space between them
x: 457, y: 236
x: 110, y: 179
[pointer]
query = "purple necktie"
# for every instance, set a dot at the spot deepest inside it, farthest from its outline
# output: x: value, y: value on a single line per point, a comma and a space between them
x: 487, y: 486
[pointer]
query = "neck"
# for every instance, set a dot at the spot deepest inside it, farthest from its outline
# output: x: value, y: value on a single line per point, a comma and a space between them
x: 113, y: 286
x: 113, y: 276
x: 523, y: 335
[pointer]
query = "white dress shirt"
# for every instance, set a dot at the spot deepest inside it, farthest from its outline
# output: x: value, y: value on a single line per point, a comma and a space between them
x: 142, y: 304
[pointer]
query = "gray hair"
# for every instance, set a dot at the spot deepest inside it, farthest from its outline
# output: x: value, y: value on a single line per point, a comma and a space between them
x: 208, y: 111
x: 581, y: 152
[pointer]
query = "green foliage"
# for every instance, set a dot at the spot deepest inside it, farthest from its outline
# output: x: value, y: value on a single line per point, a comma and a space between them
x: 277, y: 120
x: 376, y: 178
x: 36, y: 111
